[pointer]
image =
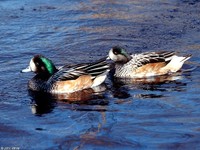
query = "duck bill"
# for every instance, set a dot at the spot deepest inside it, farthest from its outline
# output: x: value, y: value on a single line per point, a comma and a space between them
x: 108, y: 58
x: 28, y: 69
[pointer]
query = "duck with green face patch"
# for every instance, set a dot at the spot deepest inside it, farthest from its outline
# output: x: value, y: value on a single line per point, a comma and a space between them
x: 145, y: 64
x: 67, y: 79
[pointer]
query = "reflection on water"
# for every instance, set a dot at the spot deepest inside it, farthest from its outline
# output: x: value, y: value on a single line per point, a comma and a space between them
x: 45, y: 102
x: 156, y: 86
x: 41, y: 102
x: 150, y: 80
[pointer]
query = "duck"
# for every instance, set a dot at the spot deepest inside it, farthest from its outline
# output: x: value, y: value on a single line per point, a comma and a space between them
x: 146, y: 64
x: 65, y: 79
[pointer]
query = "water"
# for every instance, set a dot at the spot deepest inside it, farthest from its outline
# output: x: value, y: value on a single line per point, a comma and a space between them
x: 127, y: 115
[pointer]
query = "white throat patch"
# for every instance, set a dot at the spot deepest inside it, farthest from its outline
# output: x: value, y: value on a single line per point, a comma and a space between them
x: 112, y: 56
x: 32, y: 66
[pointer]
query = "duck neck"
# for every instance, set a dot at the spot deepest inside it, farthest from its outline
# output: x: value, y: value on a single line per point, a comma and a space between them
x: 46, y: 72
x: 50, y: 72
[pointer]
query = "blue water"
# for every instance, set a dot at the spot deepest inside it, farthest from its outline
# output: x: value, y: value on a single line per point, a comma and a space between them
x: 126, y: 115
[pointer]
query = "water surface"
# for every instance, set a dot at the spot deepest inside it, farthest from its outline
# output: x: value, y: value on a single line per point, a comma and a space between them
x: 127, y: 115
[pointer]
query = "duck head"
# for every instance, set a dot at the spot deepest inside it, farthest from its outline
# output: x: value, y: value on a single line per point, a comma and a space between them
x: 118, y: 54
x: 41, y: 65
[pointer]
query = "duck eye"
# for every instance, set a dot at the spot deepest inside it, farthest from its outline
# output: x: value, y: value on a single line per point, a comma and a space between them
x: 116, y: 51
x: 37, y: 64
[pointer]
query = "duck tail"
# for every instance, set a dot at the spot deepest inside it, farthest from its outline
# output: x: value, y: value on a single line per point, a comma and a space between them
x: 186, y: 57
x: 177, y: 62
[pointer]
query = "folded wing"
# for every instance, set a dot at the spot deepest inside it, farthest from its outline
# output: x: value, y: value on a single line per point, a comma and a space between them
x: 73, y: 72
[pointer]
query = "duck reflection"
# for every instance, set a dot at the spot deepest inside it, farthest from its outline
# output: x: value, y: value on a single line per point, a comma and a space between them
x: 41, y: 103
x: 150, y: 80
x: 44, y: 102
x: 156, y: 86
